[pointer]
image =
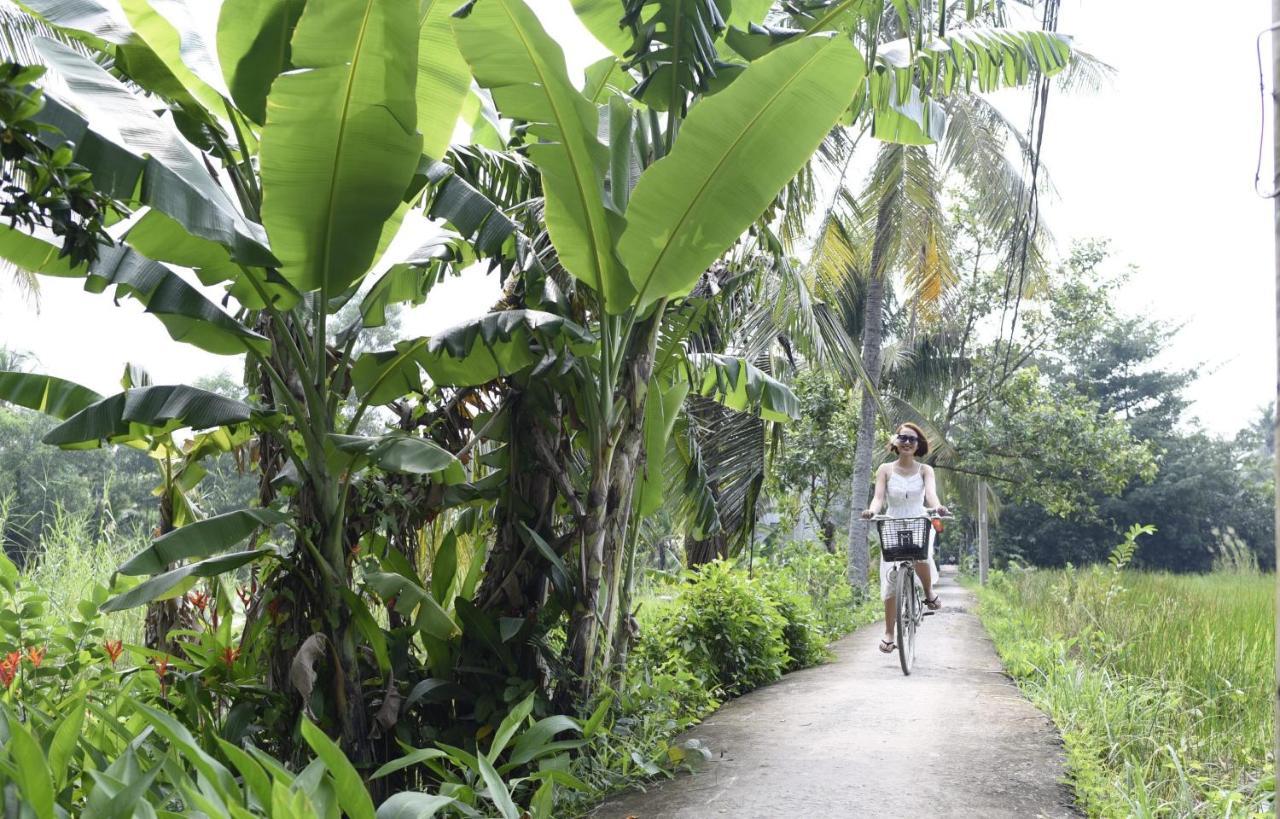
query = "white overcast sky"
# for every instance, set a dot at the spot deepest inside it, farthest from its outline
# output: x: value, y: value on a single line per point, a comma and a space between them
x: 1162, y: 164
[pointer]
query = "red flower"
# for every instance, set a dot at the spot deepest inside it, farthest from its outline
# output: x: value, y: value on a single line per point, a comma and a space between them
x: 245, y: 595
x: 199, y: 599
x: 114, y: 649
x: 9, y: 668
x: 36, y: 655
x: 162, y: 666
x: 230, y: 655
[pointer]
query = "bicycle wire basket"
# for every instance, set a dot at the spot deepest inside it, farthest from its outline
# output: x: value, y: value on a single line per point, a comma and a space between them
x: 904, y: 538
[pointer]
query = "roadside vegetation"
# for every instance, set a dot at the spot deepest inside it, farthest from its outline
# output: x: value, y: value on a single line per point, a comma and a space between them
x: 1161, y: 685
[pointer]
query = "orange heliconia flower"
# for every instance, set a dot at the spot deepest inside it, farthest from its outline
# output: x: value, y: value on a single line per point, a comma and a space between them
x: 161, y: 664
x: 9, y: 668
x: 230, y: 655
x: 35, y: 656
x: 199, y: 599
x: 114, y: 649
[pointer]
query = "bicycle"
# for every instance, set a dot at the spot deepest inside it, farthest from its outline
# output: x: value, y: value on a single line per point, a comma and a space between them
x: 904, y: 541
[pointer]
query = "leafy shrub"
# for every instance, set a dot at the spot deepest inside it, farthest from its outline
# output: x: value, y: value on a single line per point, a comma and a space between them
x: 802, y: 630
x: 731, y: 634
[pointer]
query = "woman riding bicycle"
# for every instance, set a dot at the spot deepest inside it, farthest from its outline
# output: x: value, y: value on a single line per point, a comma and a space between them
x: 910, y: 488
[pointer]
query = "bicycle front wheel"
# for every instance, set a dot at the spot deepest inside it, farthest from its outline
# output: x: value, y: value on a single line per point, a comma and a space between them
x: 906, y: 593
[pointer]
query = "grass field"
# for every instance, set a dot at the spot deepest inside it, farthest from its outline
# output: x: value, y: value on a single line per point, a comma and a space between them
x: 1161, y: 685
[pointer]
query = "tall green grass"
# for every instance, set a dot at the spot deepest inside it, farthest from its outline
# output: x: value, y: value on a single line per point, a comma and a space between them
x: 73, y: 558
x: 1161, y: 685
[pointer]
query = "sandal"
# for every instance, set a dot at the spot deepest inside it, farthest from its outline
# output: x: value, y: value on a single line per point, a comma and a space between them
x: 933, y: 603
x: 887, y: 646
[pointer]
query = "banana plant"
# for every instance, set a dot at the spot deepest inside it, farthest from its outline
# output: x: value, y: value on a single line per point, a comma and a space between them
x: 643, y: 182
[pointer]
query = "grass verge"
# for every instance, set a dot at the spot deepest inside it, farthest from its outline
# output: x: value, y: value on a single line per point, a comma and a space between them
x: 1161, y: 685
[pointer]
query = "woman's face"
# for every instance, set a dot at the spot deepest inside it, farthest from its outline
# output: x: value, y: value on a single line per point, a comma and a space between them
x: 906, y: 440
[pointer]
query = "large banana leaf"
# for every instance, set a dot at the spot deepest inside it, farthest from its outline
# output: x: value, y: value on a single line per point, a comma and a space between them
x: 137, y: 156
x: 401, y: 453
x: 334, y: 172
x: 660, y: 414
x: 45, y: 393
x: 736, y: 150
x: 475, y: 352
x: 253, y: 48
x: 443, y: 78
x: 168, y: 30
x: 174, y: 582
x: 741, y: 386
x: 104, y: 26
x: 989, y: 58
x: 184, y: 311
x: 603, y: 18
x: 147, y: 412
x: 202, y: 539
x: 159, y: 237
x: 512, y: 55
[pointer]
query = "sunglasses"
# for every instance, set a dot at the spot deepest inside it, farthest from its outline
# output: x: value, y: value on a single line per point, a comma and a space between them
x: 908, y: 439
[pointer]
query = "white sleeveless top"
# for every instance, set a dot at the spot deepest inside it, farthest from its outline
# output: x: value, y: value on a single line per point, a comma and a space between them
x: 906, y: 494
x: 905, y: 500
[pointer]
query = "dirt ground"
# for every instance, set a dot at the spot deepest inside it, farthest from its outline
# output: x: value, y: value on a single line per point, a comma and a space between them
x: 856, y: 738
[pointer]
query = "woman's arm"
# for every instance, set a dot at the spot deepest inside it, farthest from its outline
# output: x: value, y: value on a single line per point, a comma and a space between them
x: 931, y: 491
x: 878, y: 500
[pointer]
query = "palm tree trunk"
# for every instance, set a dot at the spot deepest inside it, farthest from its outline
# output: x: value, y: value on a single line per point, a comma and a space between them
x: 863, y: 453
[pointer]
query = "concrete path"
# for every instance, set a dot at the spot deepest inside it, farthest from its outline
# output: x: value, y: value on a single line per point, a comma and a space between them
x: 856, y: 738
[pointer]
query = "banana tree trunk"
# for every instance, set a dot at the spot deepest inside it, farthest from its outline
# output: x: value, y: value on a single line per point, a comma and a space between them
x: 864, y: 451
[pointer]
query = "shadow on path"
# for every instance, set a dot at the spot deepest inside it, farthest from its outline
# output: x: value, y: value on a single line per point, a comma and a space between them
x: 856, y: 738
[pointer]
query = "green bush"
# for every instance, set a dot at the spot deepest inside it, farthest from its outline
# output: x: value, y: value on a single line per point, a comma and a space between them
x: 803, y: 630
x: 731, y: 634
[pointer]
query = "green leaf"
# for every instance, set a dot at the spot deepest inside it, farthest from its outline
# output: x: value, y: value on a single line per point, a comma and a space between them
x: 65, y: 740
x: 200, y: 539
x: 410, y: 759
x: 501, y: 343
x: 332, y: 174
x: 743, y: 387
x: 144, y: 155
x: 603, y: 18
x: 33, y: 776
x: 508, y: 727
x: 736, y: 150
x: 253, y: 48
x: 44, y: 393
x: 186, y: 313
x: 352, y: 795
x: 406, y: 454
x: 443, y: 79
x: 603, y: 77
x: 177, y: 45
x: 444, y: 567
x: 156, y: 587
x: 255, y: 776
x: 511, y: 55
x: 147, y: 412
x: 411, y: 805
x: 431, y: 619
x: 660, y: 413
x: 498, y: 792
x: 182, y: 740
x: 597, y: 717
x: 535, y: 741
x: 408, y: 281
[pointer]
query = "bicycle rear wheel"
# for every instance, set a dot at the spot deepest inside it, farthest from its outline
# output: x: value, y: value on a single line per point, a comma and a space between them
x: 906, y: 593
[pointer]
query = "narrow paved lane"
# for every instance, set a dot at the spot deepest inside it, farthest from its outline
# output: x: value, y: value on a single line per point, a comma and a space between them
x: 856, y: 738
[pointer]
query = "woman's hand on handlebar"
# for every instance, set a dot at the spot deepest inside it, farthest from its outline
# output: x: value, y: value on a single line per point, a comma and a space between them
x: 941, y: 511
x: 868, y: 514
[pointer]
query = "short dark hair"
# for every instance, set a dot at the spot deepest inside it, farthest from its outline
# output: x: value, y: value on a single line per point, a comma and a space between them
x: 922, y: 448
